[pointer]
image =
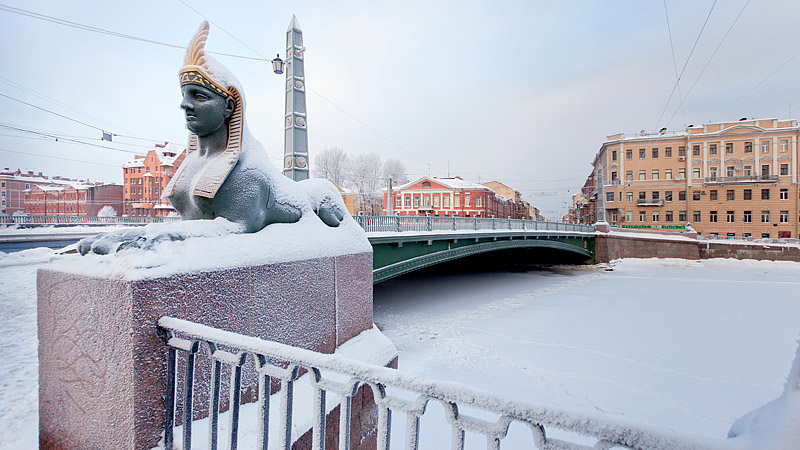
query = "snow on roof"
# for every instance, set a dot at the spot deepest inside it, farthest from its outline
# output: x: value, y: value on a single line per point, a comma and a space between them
x: 454, y: 183
x: 166, y: 154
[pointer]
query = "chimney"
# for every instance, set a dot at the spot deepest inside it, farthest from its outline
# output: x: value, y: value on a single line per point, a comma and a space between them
x: 642, y: 133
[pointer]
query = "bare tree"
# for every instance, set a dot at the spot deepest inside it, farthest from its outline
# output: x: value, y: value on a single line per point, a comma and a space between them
x: 331, y: 163
x: 396, y: 170
x: 366, y: 177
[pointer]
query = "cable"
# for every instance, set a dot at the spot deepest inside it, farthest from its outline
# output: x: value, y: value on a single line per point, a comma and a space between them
x: 57, y: 135
x: 107, y: 32
x: 58, y: 157
x: 74, y: 141
x: 707, y: 63
x: 686, y: 63
x: 674, y: 63
x: 765, y: 79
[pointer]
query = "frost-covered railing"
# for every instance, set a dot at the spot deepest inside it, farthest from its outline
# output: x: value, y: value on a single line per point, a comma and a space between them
x: 393, y: 391
x: 430, y: 223
x: 81, y: 220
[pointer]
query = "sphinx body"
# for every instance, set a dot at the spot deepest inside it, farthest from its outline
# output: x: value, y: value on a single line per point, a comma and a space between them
x: 227, y: 172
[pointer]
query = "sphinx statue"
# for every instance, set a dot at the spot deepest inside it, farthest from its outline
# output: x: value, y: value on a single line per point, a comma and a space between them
x: 226, y: 172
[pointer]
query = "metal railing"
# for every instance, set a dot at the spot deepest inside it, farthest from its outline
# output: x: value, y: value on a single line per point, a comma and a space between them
x: 742, y: 179
x: 187, y: 337
x: 431, y: 223
x: 81, y: 220
x: 650, y: 202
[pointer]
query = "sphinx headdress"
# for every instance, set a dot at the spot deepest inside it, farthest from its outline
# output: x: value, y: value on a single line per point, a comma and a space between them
x: 202, y: 70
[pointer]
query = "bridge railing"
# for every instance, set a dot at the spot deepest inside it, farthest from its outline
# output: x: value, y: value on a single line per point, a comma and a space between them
x: 394, y: 392
x: 431, y: 223
x: 81, y: 220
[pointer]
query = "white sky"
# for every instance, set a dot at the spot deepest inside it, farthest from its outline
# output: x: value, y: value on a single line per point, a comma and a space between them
x: 523, y: 92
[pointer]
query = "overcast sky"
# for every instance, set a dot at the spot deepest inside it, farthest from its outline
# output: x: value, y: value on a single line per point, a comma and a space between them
x: 523, y: 92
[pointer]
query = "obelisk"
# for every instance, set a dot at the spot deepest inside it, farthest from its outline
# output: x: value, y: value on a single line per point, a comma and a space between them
x: 295, y: 143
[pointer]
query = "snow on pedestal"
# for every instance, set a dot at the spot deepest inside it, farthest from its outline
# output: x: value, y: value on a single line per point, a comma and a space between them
x: 102, y: 365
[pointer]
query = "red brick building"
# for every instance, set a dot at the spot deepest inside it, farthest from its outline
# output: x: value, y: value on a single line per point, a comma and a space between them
x: 146, y: 177
x: 13, y: 184
x: 446, y: 197
x: 73, y: 199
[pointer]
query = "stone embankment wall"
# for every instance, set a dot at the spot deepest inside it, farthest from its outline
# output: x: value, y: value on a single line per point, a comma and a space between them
x: 608, y: 247
x: 748, y: 251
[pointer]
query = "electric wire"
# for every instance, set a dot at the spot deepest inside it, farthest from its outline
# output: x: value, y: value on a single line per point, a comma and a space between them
x: 80, y: 26
x: 674, y: 62
x: 765, y: 79
x: 58, y: 157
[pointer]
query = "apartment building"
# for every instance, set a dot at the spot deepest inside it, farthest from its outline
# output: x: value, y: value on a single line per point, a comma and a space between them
x: 72, y: 199
x: 145, y: 178
x: 732, y: 179
x: 13, y: 184
x: 447, y: 197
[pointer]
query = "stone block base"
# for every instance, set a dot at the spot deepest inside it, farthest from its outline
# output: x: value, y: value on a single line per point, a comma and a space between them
x: 102, y: 366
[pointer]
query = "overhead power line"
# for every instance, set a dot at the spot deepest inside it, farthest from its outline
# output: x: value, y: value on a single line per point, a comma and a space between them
x: 58, y: 157
x: 81, y: 26
x: 688, y: 58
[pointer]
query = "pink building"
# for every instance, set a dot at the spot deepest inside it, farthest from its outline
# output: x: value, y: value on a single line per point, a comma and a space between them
x: 446, y: 197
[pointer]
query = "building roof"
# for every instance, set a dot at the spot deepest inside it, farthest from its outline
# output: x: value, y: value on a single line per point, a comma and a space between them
x: 166, y: 153
x: 453, y: 183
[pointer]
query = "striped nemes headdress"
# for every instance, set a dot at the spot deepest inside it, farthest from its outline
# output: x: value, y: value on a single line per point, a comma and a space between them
x: 199, y: 69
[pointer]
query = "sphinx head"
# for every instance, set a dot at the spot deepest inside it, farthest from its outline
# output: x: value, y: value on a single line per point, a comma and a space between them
x: 206, y: 112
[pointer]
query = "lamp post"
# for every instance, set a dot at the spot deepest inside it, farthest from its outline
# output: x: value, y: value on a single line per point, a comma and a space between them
x: 295, y: 144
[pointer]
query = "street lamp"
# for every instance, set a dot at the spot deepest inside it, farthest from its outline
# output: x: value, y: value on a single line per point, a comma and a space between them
x: 277, y: 65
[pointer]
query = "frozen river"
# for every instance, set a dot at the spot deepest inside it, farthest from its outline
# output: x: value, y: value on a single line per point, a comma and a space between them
x: 684, y: 345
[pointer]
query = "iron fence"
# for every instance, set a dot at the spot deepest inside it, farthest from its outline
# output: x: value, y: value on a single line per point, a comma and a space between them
x: 81, y: 220
x: 326, y: 372
x: 373, y: 224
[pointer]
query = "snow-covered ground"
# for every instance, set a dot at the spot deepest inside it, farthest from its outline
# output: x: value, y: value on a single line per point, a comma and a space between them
x: 684, y: 345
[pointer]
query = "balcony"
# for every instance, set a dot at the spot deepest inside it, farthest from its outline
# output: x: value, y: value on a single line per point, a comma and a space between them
x: 614, y: 182
x: 742, y: 179
x: 650, y: 202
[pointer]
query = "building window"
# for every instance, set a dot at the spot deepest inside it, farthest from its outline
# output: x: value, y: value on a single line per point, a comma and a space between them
x: 681, y: 216
x: 629, y: 197
x: 642, y: 195
x: 655, y: 216
x: 614, y: 217
x: 416, y: 201
x: 446, y: 201
x: 456, y: 201
x: 642, y: 174
x: 712, y: 195
x: 426, y: 184
x: 655, y: 195
x: 764, y: 216
x: 712, y: 216
x: 765, y: 194
x: 629, y: 154
x: 655, y: 174
x: 667, y: 152
x: 681, y: 196
x: 655, y: 153
x: 613, y: 155
x: 784, y: 145
x: 729, y: 171
x: 479, y: 201
x: 695, y: 150
x: 642, y: 152
x: 695, y: 173
x: 609, y: 196
x: 784, y: 217
x: 642, y: 216
x: 681, y: 151
x: 695, y: 216
x: 398, y: 202
x: 729, y: 148
x: 784, y: 194
x: 748, y: 217
x: 681, y: 174
x: 629, y: 175
x: 667, y: 174
x: 765, y: 170
x: 765, y: 147
x: 712, y: 173
x: 408, y: 201
x: 731, y: 217
x: 748, y: 147
x: 731, y: 195
x: 748, y: 194
x: 784, y: 169
x: 668, y: 196
x: 712, y: 149
x: 748, y: 171
x: 628, y: 216
x: 668, y: 216
x: 613, y: 176
x: 696, y: 195
x: 765, y: 235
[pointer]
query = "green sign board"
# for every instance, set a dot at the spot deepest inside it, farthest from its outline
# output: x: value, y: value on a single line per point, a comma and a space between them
x: 655, y: 227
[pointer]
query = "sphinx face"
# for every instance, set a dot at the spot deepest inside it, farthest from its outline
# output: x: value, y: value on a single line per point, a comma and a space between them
x: 205, y: 110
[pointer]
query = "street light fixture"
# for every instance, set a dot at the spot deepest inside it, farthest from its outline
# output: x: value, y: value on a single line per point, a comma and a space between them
x: 277, y: 65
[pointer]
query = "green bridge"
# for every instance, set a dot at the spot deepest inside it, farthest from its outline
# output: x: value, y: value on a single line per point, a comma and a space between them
x: 403, y: 244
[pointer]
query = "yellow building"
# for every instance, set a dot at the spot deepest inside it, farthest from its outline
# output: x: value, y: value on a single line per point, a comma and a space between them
x: 730, y: 179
